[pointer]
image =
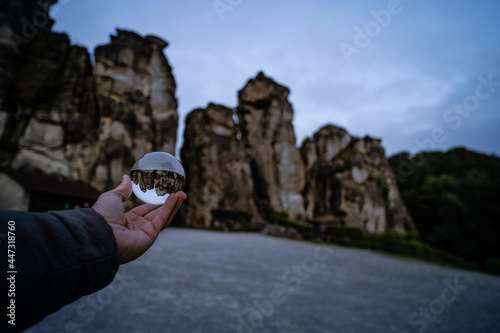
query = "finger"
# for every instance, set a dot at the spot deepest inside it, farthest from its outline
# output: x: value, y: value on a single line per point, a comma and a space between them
x: 121, y: 192
x: 181, y: 197
x: 164, y: 212
x: 144, y: 210
x: 124, y: 189
x: 151, y: 215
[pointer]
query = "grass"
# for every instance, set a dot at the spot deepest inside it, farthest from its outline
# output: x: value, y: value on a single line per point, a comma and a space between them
x: 282, y: 218
x: 407, y: 245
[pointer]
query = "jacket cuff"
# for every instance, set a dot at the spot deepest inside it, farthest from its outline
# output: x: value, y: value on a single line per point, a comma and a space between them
x: 96, y: 247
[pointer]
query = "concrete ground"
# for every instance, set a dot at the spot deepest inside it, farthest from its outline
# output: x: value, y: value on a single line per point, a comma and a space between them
x: 202, y: 281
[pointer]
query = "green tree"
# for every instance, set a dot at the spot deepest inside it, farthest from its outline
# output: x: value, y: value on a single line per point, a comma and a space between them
x: 453, y: 198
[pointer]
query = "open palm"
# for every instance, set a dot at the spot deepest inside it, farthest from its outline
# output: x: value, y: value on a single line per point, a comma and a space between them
x: 136, y: 230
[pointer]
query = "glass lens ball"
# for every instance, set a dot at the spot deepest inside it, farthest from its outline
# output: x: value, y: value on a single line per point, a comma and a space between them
x: 155, y: 176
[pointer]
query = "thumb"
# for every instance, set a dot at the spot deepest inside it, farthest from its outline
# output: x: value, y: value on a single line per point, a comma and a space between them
x: 124, y: 189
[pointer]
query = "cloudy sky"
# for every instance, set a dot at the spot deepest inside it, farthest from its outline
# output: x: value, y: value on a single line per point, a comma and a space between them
x: 418, y: 74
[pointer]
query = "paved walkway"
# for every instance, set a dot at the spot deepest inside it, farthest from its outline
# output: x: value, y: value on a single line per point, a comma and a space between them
x: 202, y: 281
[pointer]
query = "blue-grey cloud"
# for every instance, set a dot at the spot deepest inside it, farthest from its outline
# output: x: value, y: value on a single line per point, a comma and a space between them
x: 416, y: 64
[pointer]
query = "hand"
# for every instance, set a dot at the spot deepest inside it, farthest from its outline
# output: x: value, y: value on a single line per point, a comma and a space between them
x: 136, y: 230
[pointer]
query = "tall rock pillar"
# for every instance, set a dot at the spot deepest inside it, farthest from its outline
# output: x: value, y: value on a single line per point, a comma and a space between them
x: 136, y: 96
x: 219, y: 182
x: 265, y: 117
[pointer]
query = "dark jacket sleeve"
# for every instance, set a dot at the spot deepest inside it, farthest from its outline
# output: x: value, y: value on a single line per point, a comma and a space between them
x: 60, y: 256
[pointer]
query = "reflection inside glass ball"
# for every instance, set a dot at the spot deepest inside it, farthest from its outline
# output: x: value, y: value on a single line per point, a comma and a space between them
x: 155, y: 176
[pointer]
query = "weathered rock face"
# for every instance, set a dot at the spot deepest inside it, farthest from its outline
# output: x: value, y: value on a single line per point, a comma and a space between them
x: 77, y: 100
x: 58, y: 117
x: 219, y: 181
x: 50, y: 107
x: 254, y: 167
x: 349, y: 182
x: 265, y: 117
x: 136, y: 96
x: 20, y: 22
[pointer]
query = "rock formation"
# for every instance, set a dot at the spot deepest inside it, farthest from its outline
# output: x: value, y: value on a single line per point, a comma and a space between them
x: 161, y: 181
x: 50, y: 107
x: 219, y: 179
x: 136, y: 96
x: 252, y: 167
x: 349, y: 182
x: 265, y: 117
x: 57, y: 117
x: 242, y: 166
x: 20, y: 22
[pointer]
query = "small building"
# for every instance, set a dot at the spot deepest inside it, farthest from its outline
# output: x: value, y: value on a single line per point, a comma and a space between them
x: 38, y: 192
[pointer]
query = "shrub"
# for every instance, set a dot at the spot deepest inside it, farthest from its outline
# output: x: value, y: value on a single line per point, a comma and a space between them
x: 345, y: 235
x: 492, y: 265
x: 282, y: 218
x: 344, y: 165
